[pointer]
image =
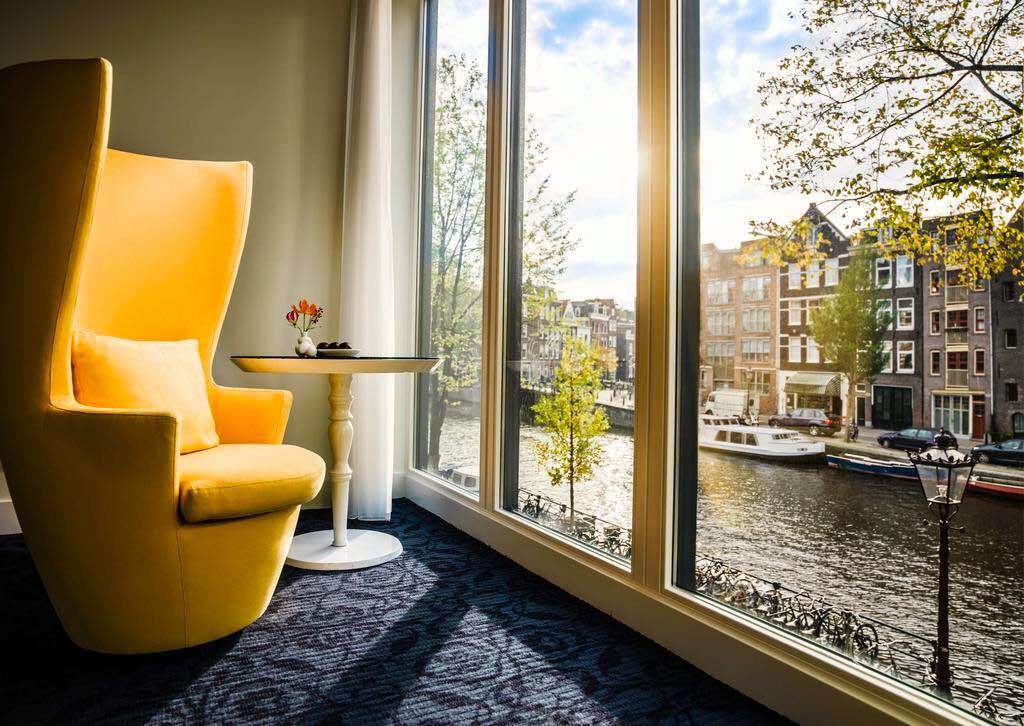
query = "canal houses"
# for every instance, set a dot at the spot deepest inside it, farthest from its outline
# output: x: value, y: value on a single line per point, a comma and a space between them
x: 958, y: 383
x: 894, y: 397
x: 739, y: 323
x: 1007, y: 327
x: 805, y: 380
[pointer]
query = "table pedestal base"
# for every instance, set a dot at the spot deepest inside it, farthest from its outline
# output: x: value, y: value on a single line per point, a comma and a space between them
x: 365, y: 548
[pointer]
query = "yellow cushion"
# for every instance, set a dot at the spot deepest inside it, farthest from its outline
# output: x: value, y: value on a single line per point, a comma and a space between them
x: 238, y: 480
x: 162, y: 375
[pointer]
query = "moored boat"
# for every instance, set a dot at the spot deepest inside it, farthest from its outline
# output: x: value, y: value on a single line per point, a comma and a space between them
x: 905, y: 470
x: 728, y: 435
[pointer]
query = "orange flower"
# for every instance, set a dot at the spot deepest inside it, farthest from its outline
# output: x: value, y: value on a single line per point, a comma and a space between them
x: 295, y: 310
x: 312, y: 309
x: 303, y: 306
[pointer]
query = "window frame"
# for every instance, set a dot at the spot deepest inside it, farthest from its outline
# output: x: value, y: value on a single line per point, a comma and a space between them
x: 899, y: 354
x: 935, y: 365
x: 906, y: 264
x: 979, y: 357
x: 1006, y: 338
x: 910, y: 325
x: 658, y: 608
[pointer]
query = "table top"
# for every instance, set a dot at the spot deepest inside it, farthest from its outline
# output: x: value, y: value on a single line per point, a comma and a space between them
x: 360, y: 364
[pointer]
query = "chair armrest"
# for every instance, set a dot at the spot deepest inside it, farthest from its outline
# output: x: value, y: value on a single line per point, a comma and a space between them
x: 104, y: 469
x: 250, y: 415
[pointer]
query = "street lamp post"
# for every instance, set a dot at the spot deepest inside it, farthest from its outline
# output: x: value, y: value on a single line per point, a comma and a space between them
x: 944, y: 473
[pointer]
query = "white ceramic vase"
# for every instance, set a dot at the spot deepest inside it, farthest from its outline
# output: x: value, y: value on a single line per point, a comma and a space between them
x: 305, y: 348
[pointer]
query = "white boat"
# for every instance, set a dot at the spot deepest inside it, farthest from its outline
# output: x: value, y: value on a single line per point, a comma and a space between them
x: 728, y: 435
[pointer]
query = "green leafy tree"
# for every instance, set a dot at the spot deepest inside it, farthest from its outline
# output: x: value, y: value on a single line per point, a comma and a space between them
x: 458, y: 215
x: 894, y: 110
x: 573, y: 420
x: 850, y: 325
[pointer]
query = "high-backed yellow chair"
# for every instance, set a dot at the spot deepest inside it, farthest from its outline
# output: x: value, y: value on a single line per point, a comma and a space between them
x: 142, y: 248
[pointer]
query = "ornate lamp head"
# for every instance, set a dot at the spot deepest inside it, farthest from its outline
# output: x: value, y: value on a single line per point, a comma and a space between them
x: 943, y: 471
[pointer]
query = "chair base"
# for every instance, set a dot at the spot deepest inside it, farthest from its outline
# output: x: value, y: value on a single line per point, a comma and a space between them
x: 365, y: 548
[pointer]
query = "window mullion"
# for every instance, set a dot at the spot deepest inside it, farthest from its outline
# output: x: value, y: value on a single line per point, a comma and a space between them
x: 496, y: 231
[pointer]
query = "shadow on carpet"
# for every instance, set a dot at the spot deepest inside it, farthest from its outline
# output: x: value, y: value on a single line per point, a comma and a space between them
x: 450, y: 632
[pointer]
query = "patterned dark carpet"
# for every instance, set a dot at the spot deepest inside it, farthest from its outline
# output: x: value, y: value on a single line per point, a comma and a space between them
x: 451, y: 632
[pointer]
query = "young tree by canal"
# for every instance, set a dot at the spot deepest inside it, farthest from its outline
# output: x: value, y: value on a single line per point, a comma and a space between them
x: 573, y: 420
x: 850, y: 325
x: 893, y: 110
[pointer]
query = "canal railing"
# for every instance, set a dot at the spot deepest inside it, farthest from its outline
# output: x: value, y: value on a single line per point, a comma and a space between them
x: 906, y: 656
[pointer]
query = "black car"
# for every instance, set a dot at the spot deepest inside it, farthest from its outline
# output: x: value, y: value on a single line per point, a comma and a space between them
x: 911, y: 439
x: 1010, y: 451
x: 812, y: 420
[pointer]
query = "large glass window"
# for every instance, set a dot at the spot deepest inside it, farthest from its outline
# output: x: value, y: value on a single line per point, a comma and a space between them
x: 568, y: 429
x: 835, y: 554
x: 452, y: 241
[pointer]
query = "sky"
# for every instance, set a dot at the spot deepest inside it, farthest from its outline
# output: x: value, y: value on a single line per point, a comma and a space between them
x: 581, y: 89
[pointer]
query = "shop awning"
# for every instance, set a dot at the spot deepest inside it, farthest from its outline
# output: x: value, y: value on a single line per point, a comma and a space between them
x: 815, y: 384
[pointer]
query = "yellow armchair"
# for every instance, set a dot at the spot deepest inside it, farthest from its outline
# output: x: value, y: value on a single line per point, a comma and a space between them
x: 141, y: 548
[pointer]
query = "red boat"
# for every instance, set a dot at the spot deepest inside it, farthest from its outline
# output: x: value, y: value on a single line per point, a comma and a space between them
x: 1002, y: 489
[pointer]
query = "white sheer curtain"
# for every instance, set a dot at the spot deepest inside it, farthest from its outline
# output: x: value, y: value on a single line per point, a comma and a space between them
x: 367, y: 301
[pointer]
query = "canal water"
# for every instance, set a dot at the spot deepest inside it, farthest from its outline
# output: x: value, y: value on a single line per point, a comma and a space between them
x: 857, y: 541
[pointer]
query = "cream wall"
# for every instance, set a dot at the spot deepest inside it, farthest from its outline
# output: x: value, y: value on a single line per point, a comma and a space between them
x: 261, y: 80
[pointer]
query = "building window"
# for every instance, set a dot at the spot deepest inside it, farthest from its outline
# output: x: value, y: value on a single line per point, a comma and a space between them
x: 886, y: 356
x: 956, y: 320
x: 1018, y: 424
x: 755, y: 289
x: 1010, y: 338
x: 813, y: 273
x: 885, y: 312
x: 813, y: 352
x: 979, y: 362
x: 720, y: 292
x: 721, y: 322
x: 756, y: 351
x: 794, y: 349
x: 936, y: 322
x: 1011, y: 392
x: 979, y: 320
x: 831, y: 271
x: 978, y: 286
x: 904, y: 271
x: 935, y: 282
x: 905, y: 313
x: 952, y: 413
x: 757, y: 381
x: 793, y: 274
x: 1009, y: 292
x: 905, y: 356
x: 756, y: 320
x: 795, y: 316
x: 936, y: 359
x: 883, y: 272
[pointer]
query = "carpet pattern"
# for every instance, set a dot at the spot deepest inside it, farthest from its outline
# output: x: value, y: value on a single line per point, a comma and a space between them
x: 449, y: 633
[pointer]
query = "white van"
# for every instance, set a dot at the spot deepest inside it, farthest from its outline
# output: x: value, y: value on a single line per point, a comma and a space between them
x: 732, y: 402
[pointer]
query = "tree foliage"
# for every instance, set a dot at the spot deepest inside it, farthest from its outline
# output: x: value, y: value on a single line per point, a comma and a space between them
x: 849, y: 326
x: 895, y: 111
x: 573, y: 420
x: 457, y: 242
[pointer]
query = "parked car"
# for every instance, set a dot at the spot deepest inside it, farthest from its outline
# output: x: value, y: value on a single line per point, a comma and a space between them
x: 812, y: 420
x: 1010, y: 451
x: 732, y: 402
x: 911, y: 439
